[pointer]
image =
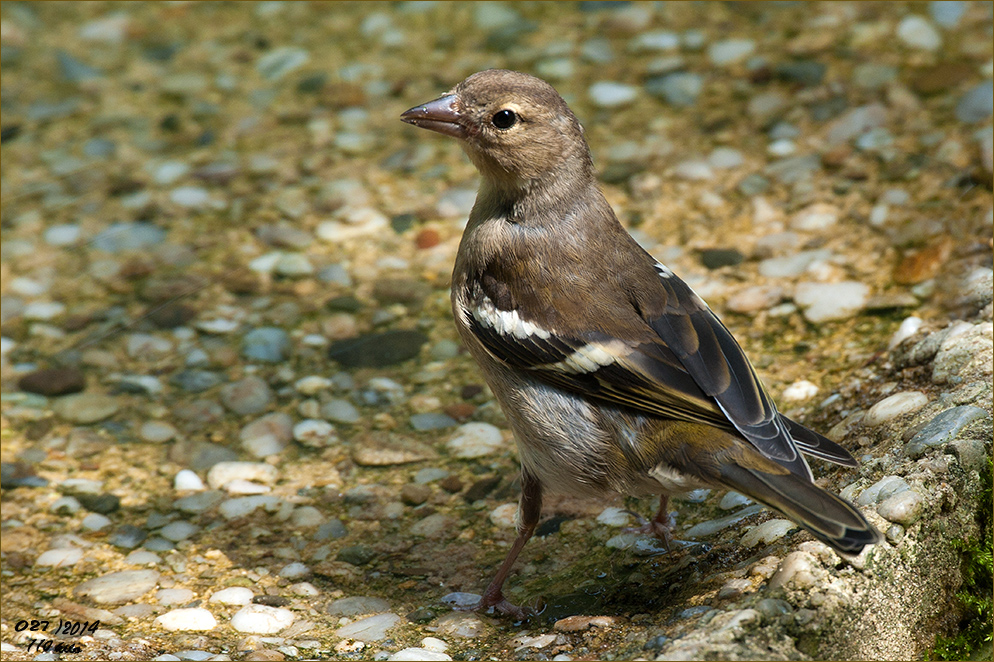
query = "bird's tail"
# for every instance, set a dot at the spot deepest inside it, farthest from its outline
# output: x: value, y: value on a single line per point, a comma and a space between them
x: 828, y: 517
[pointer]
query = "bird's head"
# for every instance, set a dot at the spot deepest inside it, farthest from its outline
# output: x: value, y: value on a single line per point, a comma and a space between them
x: 515, y: 128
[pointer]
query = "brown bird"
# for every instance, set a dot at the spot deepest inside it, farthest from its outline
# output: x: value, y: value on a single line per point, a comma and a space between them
x: 613, y: 374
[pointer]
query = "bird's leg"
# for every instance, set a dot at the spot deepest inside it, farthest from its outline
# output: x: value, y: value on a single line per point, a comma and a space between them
x: 660, y: 526
x: 529, y: 510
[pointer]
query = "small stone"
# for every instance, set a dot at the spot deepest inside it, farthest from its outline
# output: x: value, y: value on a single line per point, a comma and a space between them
x: 414, y: 494
x: 266, y: 344
x: 976, y: 104
x: 118, y: 587
x: 894, y: 406
x: 59, y: 558
x: 369, y: 629
x: 733, y: 500
x: 267, y: 435
x: 356, y: 554
x: 62, y: 235
x: 340, y: 411
x: 187, y: 620
x: 680, y: 89
x: 250, y: 395
x: 177, y: 531
x: 855, y: 122
x: 882, y: 489
x: 418, y: 654
x: 824, y: 302
x: 157, y: 432
x: 730, y: 51
x: 199, y: 503
x: 432, y: 421
x: 187, y: 480
x: 53, y: 381
x: 755, y: 298
x: 799, y: 391
x: 196, y: 381
x: 711, y: 527
x: 476, y: 440
x: 944, y: 428
x: 581, y: 623
x: 85, y: 408
x: 614, y: 517
x: 903, y: 508
x: 817, y: 217
x: 797, y: 568
x: 358, y: 605
x: 917, y: 32
x: 295, y: 570
x: 610, y: 94
x: 234, y: 595
x: 128, y: 536
x: 261, y: 619
x: 95, y: 522
x: 174, y: 596
x: 224, y: 473
x: 100, y: 503
x: 378, y: 350
x: 505, y: 515
x: 767, y: 533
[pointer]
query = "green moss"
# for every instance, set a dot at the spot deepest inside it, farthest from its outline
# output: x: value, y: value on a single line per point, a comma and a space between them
x: 977, y: 594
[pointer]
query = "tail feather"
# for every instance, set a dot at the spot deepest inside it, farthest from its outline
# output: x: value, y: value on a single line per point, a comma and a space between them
x: 828, y: 517
x: 811, y: 443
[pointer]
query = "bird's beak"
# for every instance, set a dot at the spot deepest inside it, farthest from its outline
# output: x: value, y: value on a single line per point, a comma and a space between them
x: 438, y: 115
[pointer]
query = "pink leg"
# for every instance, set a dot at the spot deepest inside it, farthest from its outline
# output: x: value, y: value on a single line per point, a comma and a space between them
x: 660, y: 526
x: 530, y: 508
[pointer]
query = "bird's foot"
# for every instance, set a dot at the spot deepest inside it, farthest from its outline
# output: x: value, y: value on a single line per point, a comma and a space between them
x: 502, y: 605
x: 659, y: 527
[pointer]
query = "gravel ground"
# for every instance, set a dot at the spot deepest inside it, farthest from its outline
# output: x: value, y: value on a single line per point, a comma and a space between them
x: 236, y: 419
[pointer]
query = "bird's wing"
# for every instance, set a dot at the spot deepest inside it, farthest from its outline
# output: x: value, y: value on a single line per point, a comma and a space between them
x: 684, y: 365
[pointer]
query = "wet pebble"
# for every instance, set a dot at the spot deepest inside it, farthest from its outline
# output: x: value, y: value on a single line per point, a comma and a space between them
x: 918, y: 32
x: 157, y: 432
x: 223, y: 473
x: 894, y: 406
x: 187, y: 480
x: 358, y: 605
x: 187, y: 620
x: 432, y: 421
x: 121, y: 237
x: 611, y: 94
x: 295, y: 570
x: 476, y: 440
x: 250, y: 395
x: 59, y: 558
x: 755, y: 298
x: 190, y: 197
x: 730, y: 51
x: 378, y: 350
x: 418, y: 654
x: 95, y: 522
x: 118, y: 587
x: 177, y: 531
x: 944, y: 428
x: 314, y: 433
x: 128, y: 536
x: 680, y: 89
x: 242, y: 506
x: 799, y: 391
x: 174, y: 596
x: 200, y: 502
x: 196, y: 381
x: 767, y: 533
x: 340, y: 411
x: 614, y: 517
x: 369, y: 629
x: 882, y: 489
x: 710, y: 527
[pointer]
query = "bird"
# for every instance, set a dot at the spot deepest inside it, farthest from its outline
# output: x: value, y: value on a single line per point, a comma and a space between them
x: 614, y: 375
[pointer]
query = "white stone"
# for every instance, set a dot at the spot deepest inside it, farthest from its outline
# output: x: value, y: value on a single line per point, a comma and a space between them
x: 823, y: 302
x: 223, y: 473
x: 418, y: 654
x: 767, y: 532
x: 800, y: 390
x: 918, y: 32
x: 895, y: 405
x: 610, y: 94
x: 504, y: 515
x: 60, y: 558
x: 234, y: 595
x: 369, y: 629
x: 187, y: 480
x: 475, y: 440
x: 261, y: 619
x: 614, y: 517
x: 196, y: 619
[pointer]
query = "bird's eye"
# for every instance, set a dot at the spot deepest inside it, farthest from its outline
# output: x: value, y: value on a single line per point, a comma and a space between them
x: 504, y: 119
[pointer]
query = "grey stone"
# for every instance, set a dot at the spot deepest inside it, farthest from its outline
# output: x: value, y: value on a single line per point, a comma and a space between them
x: 944, y: 428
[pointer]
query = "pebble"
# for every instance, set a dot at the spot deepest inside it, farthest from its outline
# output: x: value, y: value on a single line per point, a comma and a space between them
x: 711, y: 527
x: 791, y: 265
x: 816, y: 218
x: 908, y: 328
x: 118, y: 587
x: 59, y: 558
x: 63, y: 234
x: 679, y: 89
x: 799, y: 391
x: 903, y: 508
x: 314, y: 433
x: 767, y: 533
x: 882, y: 489
x: 53, y: 381
x: 476, y: 440
x: 944, y: 428
x: 95, y: 522
x: 340, y: 411
x: 157, y: 432
x: 358, y: 605
x: 369, y: 629
x: 505, y: 515
x: 191, y: 197
x: 894, y: 406
x: 128, y: 536
x: 43, y: 310
x: 293, y: 265
x: 294, y: 570
x: 730, y: 51
x: 732, y: 500
x: 969, y: 353
x: 976, y: 104
x: 418, y: 654
x: 755, y: 298
x: 823, y: 302
x: 250, y: 395
x: 797, y: 568
x: 261, y: 619
x: 122, y: 237
x: 242, y: 506
x: 174, y: 596
x: 200, y: 502
x: 267, y: 344
x: 170, y: 172
x: 85, y: 408
x: 855, y: 122
x: 196, y: 381
x: 614, y: 517
x: 610, y: 94
x: 917, y: 32
x: 66, y: 505
x: 432, y: 421
x: 660, y: 40
x: 223, y: 473
x: 694, y: 170
x: 187, y: 620
x: 268, y: 435
x: 233, y: 595
x: 187, y: 480
x: 378, y: 350
x: 177, y: 531
x: 432, y: 526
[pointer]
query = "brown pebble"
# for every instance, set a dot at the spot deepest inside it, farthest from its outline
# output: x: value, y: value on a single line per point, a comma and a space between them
x: 940, y: 77
x: 924, y: 264
x: 837, y: 157
x: 460, y: 411
x: 427, y: 238
x: 170, y: 315
x: 264, y: 654
x: 414, y: 495
x: 580, y: 623
x: 451, y: 484
x: 470, y: 391
x: 53, y: 381
x: 481, y: 488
